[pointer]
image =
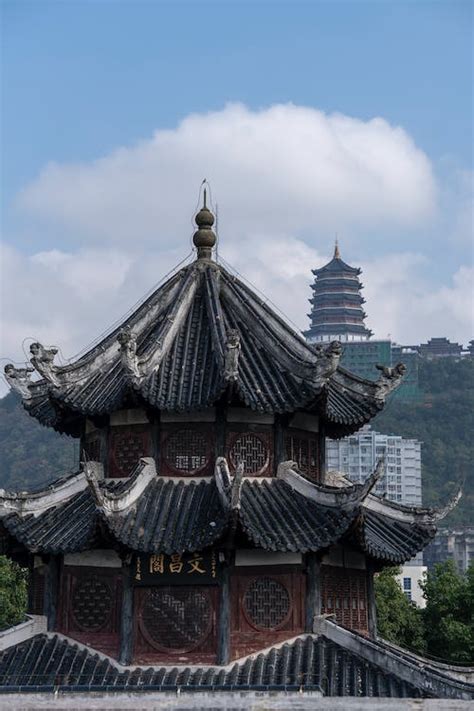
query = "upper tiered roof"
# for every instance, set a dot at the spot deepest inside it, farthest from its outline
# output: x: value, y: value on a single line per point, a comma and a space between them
x: 337, y: 303
x: 201, y: 336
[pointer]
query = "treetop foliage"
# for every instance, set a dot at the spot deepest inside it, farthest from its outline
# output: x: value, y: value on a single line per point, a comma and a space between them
x: 444, y: 629
x: 13, y: 593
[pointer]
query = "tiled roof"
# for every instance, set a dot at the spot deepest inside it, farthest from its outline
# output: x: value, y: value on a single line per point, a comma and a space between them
x: 277, y: 518
x: 392, y: 540
x: 177, y: 516
x: 180, y: 340
x: 47, y: 663
x: 338, y: 266
x: 65, y: 528
x: 171, y: 517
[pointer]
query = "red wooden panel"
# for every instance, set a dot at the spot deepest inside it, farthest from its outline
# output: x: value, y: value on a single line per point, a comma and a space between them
x: 176, y: 625
x: 187, y: 450
x: 344, y: 595
x: 254, y: 624
x: 303, y: 448
x: 127, y: 444
x: 90, y: 606
x: 253, y: 448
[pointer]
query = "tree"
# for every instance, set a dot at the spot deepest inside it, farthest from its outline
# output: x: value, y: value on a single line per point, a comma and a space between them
x: 449, y: 613
x: 398, y: 620
x: 13, y: 592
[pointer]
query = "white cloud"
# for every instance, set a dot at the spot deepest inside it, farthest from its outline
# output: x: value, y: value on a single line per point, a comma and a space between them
x: 286, y: 168
x: 285, y: 178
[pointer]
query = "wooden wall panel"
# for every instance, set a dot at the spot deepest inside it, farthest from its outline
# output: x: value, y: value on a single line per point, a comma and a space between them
x: 344, y: 595
x: 247, y: 635
x: 90, y: 606
x: 188, y: 636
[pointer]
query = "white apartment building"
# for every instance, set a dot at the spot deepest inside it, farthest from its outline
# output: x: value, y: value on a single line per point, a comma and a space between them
x: 356, y: 457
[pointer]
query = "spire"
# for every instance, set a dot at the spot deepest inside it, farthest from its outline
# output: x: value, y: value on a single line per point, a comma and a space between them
x: 337, y: 254
x: 204, y: 238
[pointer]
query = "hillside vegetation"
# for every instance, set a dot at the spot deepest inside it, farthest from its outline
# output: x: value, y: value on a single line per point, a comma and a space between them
x: 444, y: 422
x: 31, y: 455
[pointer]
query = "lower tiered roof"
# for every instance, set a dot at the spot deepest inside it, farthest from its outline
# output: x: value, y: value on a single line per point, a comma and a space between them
x: 337, y: 663
x: 152, y: 514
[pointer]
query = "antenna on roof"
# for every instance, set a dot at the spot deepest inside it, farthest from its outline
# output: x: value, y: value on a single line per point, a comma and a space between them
x: 337, y: 254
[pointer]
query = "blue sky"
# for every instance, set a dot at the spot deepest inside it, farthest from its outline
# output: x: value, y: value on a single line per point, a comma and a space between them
x: 82, y: 80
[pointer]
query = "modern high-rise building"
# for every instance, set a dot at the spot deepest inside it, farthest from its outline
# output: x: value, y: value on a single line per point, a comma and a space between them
x: 452, y: 544
x: 356, y: 457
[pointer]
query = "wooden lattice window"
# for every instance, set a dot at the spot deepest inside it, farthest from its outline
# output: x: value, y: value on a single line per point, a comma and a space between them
x: 91, y: 604
x: 344, y: 594
x: 128, y: 445
x: 251, y: 449
x: 176, y: 619
x: 186, y: 451
x: 36, y: 600
x: 266, y: 603
x: 302, y: 448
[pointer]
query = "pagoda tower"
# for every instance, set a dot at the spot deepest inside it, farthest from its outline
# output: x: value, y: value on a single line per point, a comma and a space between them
x: 201, y: 543
x: 337, y: 313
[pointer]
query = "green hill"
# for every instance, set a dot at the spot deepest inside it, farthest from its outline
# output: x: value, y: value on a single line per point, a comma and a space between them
x: 444, y: 422
x: 31, y: 455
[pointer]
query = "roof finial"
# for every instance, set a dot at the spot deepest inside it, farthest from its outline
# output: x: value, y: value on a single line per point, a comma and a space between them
x: 337, y: 254
x: 204, y: 238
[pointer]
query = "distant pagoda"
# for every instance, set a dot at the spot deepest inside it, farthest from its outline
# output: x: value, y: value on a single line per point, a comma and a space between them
x: 337, y: 313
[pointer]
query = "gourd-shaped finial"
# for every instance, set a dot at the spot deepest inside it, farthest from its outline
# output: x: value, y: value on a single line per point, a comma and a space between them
x: 204, y: 238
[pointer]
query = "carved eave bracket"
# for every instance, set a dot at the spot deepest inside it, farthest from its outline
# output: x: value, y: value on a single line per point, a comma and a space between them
x: 43, y: 362
x: 223, y: 481
x: 345, y: 498
x: 389, y: 380
x: 410, y: 514
x: 328, y: 360
x: 143, y: 476
x: 231, y: 358
x: 19, y: 380
x: 94, y: 471
x: 128, y: 353
x: 228, y: 487
x: 441, y: 513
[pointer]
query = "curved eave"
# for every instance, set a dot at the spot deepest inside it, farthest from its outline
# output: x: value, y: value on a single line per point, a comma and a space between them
x: 393, y: 541
x: 277, y: 518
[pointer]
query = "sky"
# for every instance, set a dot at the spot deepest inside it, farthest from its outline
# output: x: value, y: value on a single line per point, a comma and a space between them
x: 308, y: 119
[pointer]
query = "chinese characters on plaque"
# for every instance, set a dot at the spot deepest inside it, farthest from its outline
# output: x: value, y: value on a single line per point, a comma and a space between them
x: 179, y: 568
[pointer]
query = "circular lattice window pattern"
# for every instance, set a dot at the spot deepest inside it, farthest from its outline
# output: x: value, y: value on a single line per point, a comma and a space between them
x: 176, y: 619
x: 187, y: 451
x: 267, y: 603
x: 252, y: 451
x: 91, y: 604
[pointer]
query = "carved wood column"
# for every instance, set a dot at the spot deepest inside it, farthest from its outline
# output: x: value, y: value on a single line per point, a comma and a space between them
x: 51, y: 591
x: 371, y: 606
x: 223, y: 621
x: 126, y: 616
x: 313, y: 590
